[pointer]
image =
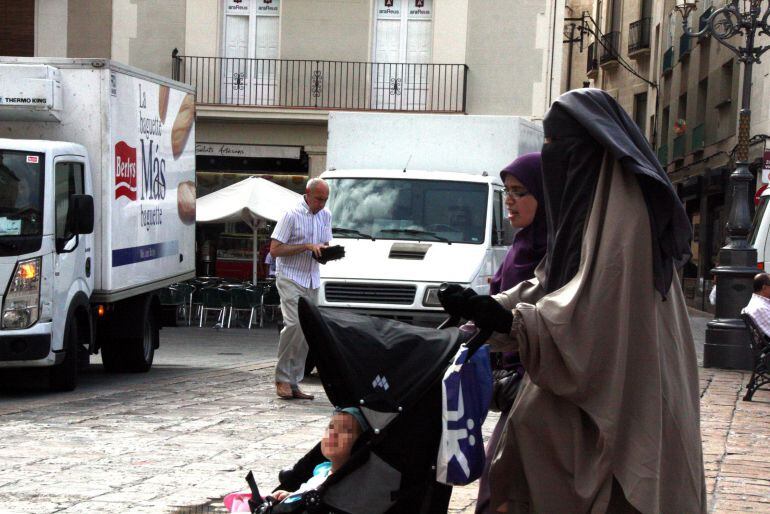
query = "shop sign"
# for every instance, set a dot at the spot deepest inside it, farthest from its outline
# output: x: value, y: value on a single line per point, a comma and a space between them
x: 268, y: 6
x: 247, y: 151
x: 238, y: 6
x: 766, y: 166
x: 389, y: 9
x: 420, y: 9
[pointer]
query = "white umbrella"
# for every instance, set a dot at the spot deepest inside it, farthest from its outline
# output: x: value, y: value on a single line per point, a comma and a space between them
x: 252, y: 201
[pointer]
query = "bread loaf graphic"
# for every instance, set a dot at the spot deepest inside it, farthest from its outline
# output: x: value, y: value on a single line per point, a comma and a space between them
x: 185, y: 202
x: 182, y: 125
x: 163, y: 103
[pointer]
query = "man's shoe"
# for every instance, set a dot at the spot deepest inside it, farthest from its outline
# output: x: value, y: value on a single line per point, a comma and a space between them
x: 283, y: 390
x: 298, y: 393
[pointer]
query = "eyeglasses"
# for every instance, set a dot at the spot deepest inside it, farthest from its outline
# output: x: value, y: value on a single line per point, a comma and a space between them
x: 516, y: 193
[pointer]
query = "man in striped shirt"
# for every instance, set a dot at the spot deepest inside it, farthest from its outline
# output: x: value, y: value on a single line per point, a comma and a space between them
x: 759, y: 305
x: 301, y: 232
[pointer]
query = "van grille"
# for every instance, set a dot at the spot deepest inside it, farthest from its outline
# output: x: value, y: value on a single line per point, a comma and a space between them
x: 369, y: 293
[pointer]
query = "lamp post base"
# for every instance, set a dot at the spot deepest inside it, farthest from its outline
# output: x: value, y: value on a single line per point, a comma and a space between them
x: 727, y: 345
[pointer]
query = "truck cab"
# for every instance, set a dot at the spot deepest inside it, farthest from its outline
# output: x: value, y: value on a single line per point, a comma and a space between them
x: 46, y: 222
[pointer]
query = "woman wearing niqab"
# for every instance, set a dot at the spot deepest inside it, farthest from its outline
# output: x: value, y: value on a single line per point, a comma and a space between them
x: 607, y: 416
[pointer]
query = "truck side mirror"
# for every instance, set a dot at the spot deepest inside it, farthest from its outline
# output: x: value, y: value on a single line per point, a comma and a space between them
x: 82, y: 207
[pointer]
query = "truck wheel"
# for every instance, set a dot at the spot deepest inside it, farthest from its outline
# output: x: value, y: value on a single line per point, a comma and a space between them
x: 133, y: 353
x: 64, y: 376
x: 141, y: 350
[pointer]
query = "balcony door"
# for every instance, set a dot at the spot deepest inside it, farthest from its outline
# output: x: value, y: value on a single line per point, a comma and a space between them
x: 249, y: 69
x: 403, y: 42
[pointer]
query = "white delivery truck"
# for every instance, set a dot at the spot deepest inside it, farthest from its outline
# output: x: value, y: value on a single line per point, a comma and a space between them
x: 417, y: 200
x: 97, y: 211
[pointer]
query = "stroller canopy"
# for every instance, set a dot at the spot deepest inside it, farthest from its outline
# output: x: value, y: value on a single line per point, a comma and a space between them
x: 381, y: 365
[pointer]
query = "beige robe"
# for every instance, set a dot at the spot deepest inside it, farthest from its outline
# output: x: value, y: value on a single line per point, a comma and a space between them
x: 612, y: 379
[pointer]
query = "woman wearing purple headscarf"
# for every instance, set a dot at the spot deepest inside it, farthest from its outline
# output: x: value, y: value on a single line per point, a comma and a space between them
x: 524, y: 200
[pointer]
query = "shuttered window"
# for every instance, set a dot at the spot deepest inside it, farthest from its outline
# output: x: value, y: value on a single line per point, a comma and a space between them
x: 17, y: 28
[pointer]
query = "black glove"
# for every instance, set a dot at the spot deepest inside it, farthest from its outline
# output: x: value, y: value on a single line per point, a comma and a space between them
x: 488, y: 314
x: 453, y: 298
x: 504, y: 389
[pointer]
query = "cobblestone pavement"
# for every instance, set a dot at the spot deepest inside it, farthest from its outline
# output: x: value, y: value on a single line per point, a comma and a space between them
x: 180, y: 437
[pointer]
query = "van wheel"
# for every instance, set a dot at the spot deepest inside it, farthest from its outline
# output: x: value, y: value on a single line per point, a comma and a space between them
x: 136, y: 352
x: 64, y: 376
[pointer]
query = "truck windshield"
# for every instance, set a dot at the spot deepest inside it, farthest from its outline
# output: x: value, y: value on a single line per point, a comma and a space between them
x: 21, y: 194
x: 418, y: 210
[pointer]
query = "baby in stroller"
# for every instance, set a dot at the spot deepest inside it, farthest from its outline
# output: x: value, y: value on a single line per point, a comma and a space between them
x: 345, y: 426
x: 343, y: 430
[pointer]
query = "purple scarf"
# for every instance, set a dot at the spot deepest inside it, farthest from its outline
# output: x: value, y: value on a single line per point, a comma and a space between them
x: 530, y: 242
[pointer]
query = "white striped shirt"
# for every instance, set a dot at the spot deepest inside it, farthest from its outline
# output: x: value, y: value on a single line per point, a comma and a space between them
x: 759, y: 310
x: 300, y: 226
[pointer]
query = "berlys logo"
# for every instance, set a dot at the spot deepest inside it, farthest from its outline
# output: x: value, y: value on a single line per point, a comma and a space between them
x: 125, y: 171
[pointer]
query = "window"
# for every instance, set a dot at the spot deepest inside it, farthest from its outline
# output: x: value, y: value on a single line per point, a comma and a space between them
x: 640, y: 111
x: 403, y: 41
x: 420, y: 210
x: 726, y: 113
x: 17, y: 28
x: 646, y: 9
x: 703, y: 86
x: 615, y: 11
x: 250, y: 44
x: 682, y: 110
x: 69, y: 181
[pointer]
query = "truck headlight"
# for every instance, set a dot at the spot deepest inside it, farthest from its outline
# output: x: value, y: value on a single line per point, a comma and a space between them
x: 431, y: 297
x: 21, y: 307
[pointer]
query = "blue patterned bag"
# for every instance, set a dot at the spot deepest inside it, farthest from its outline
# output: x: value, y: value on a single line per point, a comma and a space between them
x: 466, y: 393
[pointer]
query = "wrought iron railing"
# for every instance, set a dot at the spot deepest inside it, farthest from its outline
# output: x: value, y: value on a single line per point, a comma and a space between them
x: 315, y: 84
x: 699, y: 137
x: 679, y: 146
x: 592, y: 63
x: 610, y: 47
x: 639, y: 35
x: 668, y: 59
x: 663, y: 154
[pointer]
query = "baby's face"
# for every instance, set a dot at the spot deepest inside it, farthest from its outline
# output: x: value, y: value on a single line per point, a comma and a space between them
x: 342, y: 432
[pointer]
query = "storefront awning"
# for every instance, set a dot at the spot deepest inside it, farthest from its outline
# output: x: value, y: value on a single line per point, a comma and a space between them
x: 245, y: 200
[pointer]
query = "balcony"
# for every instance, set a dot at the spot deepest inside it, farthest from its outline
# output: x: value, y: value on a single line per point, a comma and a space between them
x: 679, y: 146
x: 324, y: 85
x: 699, y: 138
x: 610, y: 48
x: 668, y: 60
x: 685, y: 45
x: 639, y: 37
x: 592, y: 64
x: 663, y: 155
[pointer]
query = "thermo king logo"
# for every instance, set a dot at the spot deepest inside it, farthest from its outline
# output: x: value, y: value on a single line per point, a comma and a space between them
x: 125, y: 171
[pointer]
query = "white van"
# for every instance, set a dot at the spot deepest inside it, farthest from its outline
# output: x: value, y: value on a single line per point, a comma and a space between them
x: 417, y: 201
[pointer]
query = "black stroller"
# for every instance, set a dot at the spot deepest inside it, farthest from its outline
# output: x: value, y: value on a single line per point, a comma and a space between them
x: 392, y: 371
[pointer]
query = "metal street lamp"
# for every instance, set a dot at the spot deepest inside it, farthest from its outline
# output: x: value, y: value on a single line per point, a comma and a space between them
x: 726, y: 336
